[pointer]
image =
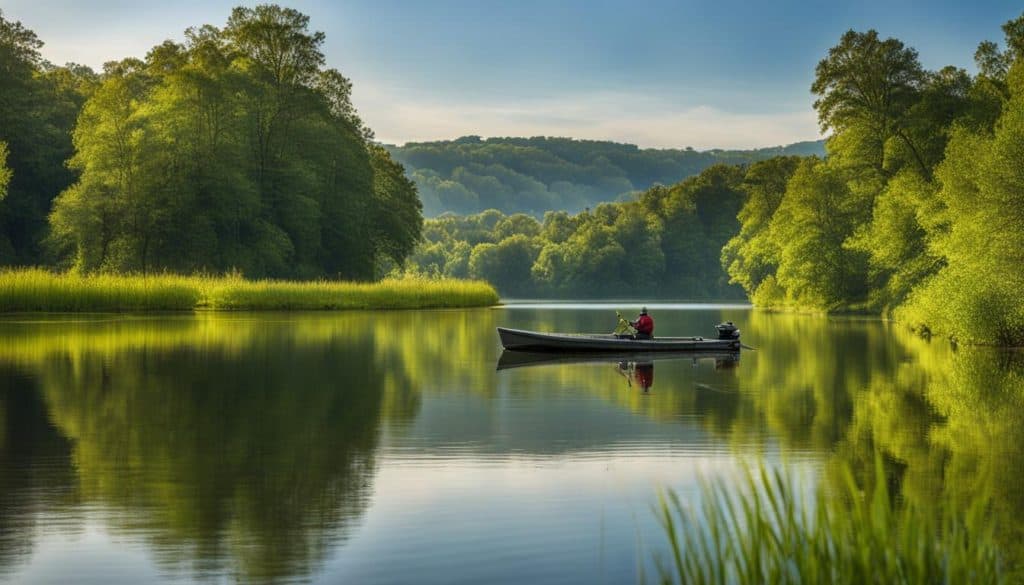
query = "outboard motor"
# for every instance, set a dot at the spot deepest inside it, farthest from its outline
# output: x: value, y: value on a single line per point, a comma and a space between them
x: 728, y: 330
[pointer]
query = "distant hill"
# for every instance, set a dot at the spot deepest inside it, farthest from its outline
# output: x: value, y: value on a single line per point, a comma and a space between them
x: 534, y: 175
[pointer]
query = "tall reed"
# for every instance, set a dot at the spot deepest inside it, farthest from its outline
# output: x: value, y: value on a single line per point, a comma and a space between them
x: 32, y: 290
x: 767, y: 533
x: 37, y: 290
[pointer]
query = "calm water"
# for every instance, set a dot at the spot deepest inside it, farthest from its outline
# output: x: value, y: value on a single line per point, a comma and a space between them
x: 386, y: 448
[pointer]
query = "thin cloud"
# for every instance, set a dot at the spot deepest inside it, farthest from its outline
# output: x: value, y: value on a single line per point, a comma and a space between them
x: 624, y: 117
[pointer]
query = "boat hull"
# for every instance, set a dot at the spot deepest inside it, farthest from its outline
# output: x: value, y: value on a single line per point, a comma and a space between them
x: 518, y: 339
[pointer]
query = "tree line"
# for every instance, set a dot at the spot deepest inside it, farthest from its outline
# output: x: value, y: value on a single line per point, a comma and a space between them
x: 238, y: 149
x: 917, y: 208
x: 533, y: 175
x: 915, y: 211
x: 663, y: 243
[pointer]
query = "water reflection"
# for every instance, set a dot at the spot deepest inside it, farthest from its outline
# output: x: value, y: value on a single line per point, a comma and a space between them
x: 642, y: 373
x: 250, y: 447
x: 637, y: 368
x: 36, y: 475
x: 516, y: 359
x: 230, y: 447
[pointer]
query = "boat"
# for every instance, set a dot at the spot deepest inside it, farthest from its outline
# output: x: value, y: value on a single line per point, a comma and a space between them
x: 728, y: 338
x: 511, y: 358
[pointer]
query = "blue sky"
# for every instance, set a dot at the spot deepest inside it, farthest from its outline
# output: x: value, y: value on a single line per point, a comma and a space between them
x: 660, y: 73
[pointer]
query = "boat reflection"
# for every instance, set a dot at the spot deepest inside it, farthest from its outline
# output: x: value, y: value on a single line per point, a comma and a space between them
x: 518, y: 359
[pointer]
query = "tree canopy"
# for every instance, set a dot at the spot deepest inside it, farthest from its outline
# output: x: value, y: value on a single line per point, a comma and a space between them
x: 238, y: 149
x: 663, y: 243
x: 917, y: 208
x: 38, y: 106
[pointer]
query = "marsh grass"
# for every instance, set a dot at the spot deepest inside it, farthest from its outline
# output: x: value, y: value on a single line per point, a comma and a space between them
x: 32, y: 290
x: 37, y: 290
x: 766, y: 533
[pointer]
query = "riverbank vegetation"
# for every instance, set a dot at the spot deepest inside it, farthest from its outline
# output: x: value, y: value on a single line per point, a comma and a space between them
x: 916, y: 210
x: 39, y: 290
x: 769, y: 532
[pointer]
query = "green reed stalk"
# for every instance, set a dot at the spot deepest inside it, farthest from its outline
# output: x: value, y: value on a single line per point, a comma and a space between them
x: 765, y: 533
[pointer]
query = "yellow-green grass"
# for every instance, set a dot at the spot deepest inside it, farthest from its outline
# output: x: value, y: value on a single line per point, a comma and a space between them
x: 406, y: 293
x: 37, y: 290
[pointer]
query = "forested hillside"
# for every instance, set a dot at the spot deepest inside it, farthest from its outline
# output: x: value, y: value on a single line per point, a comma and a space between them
x: 238, y: 149
x: 534, y: 175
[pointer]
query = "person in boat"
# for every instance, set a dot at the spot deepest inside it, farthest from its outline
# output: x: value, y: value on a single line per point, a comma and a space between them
x: 644, y: 325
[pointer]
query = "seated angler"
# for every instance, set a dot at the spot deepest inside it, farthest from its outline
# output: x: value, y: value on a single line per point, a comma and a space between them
x: 644, y: 325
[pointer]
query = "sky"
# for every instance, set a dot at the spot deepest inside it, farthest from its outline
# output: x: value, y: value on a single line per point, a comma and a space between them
x: 658, y: 73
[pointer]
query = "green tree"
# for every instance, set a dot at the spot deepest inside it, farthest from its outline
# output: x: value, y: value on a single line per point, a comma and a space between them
x: 896, y: 240
x: 752, y: 255
x: 237, y: 149
x: 810, y: 228
x: 977, y: 296
x: 38, y: 106
x: 869, y: 85
x: 518, y: 223
x: 398, y: 213
x: 505, y: 264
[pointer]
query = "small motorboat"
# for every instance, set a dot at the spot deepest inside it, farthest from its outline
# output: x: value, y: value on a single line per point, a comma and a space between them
x: 728, y: 338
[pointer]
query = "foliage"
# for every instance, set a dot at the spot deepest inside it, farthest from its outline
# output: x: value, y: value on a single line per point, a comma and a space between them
x: 538, y: 174
x: 38, y: 106
x: 752, y: 255
x: 237, y: 149
x: 770, y: 533
x: 810, y: 227
x: 38, y: 290
x: 662, y: 243
x: 916, y: 209
x: 5, y: 173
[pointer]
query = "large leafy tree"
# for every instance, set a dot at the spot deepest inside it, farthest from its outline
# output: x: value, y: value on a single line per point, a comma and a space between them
x: 867, y: 86
x: 813, y: 222
x: 237, y: 149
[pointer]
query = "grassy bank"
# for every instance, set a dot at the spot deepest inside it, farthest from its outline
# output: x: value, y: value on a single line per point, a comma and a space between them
x: 35, y: 290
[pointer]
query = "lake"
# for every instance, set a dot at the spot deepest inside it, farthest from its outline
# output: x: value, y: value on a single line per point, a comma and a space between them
x: 386, y: 447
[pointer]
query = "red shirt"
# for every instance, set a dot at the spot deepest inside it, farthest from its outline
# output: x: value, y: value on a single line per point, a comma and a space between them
x: 644, y: 324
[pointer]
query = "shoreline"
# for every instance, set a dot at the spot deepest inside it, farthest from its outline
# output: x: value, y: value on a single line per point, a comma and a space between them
x: 26, y: 291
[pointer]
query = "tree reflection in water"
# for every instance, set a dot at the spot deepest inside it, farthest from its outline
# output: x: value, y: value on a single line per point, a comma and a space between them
x: 246, y: 445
